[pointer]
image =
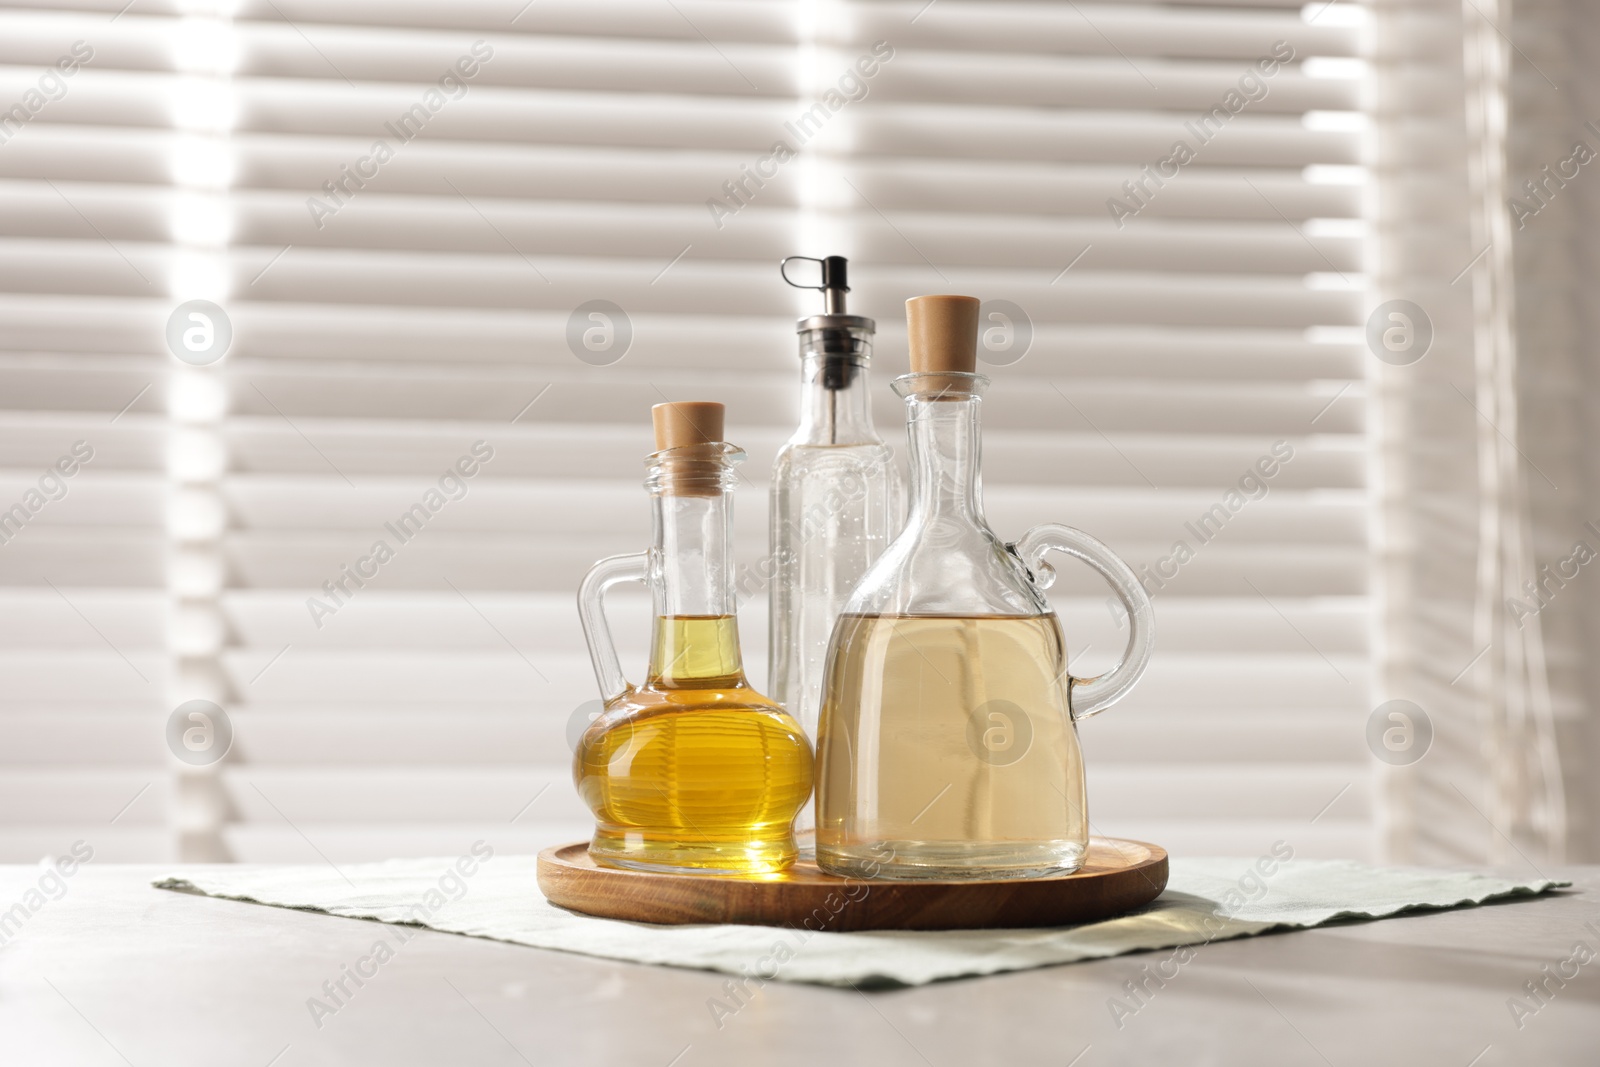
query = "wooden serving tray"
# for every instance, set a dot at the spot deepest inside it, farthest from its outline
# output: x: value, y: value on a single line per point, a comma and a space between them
x: 1118, y: 876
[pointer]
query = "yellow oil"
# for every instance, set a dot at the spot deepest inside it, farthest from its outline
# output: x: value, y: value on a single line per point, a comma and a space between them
x: 946, y: 749
x: 694, y: 770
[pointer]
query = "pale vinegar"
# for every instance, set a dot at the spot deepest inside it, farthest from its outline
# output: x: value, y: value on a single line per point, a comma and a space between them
x: 946, y: 744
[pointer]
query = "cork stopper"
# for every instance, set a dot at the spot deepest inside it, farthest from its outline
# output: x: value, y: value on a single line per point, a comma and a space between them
x: 687, y: 422
x: 943, y: 334
x: 695, y: 427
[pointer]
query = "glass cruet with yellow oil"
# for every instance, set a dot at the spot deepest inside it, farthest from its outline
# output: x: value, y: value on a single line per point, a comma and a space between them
x: 947, y: 745
x: 692, y: 771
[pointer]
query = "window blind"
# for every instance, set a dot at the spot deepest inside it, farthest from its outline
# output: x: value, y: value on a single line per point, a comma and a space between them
x: 1179, y: 363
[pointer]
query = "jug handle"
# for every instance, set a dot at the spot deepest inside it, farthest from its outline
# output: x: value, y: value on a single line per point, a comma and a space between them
x: 1089, y: 696
x: 592, y: 613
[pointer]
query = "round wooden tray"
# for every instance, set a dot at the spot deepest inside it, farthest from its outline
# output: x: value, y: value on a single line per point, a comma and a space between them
x: 1118, y: 877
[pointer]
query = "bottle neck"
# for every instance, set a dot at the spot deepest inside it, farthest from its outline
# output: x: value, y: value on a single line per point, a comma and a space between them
x: 946, y: 453
x: 834, y: 407
x: 696, y: 639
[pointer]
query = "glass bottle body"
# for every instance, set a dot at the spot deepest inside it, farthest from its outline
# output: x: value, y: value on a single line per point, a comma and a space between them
x: 834, y: 507
x: 947, y: 747
x: 694, y: 770
x: 964, y: 729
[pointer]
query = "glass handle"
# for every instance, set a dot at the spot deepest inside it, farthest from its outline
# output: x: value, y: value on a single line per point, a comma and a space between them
x: 592, y: 613
x: 1093, y: 695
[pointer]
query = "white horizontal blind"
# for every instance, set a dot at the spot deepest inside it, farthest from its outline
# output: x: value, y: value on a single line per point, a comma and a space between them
x: 385, y: 329
x: 82, y: 582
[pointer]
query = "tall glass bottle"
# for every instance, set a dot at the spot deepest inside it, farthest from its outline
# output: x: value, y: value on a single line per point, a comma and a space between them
x: 947, y: 746
x: 693, y: 770
x: 834, y: 500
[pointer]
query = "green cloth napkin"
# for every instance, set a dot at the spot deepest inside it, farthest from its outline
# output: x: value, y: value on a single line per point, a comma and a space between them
x: 1205, y: 900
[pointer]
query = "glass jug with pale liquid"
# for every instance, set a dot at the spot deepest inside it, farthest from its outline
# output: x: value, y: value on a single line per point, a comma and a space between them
x: 693, y: 771
x: 947, y: 747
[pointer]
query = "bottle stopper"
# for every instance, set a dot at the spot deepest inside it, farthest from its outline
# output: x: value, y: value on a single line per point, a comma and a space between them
x: 687, y: 422
x: 844, y: 341
x: 691, y: 428
x: 835, y: 280
x: 943, y: 335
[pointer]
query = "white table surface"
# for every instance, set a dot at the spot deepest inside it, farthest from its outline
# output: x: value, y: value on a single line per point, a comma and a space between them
x: 116, y: 972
